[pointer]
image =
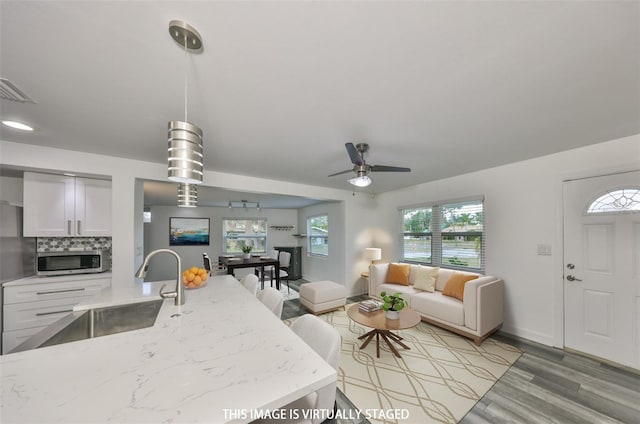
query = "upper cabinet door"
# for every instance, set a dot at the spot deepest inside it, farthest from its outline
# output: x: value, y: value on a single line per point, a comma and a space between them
x: 93, y: 207
x: 60, y: 206
x: 48, y: 205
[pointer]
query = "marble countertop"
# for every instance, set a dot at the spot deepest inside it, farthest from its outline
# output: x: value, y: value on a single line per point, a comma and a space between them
x: 222, y: 351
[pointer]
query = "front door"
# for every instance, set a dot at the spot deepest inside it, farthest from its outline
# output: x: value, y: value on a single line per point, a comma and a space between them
x: 601, y: 267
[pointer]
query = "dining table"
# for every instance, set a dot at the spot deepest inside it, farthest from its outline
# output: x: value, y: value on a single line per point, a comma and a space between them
x: 231, y: 263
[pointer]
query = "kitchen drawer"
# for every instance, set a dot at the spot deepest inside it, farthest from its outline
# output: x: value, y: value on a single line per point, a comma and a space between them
x: 19, y: 316
x: 57, y: 290
x: 12, y: 339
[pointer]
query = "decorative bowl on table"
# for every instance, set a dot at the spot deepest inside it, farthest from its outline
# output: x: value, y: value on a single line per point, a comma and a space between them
x: 194, y: 277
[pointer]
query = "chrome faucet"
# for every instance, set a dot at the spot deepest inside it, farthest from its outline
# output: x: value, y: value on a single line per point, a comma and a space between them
x: 178, y: 294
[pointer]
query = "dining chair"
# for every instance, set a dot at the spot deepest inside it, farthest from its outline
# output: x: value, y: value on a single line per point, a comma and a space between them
x: 325, y: 340
x: 273, y: 254
x: 207, y: 262
x: 207, y: 265
x: 250, y: 282
x: 285, y: 260
x: 272, y: 299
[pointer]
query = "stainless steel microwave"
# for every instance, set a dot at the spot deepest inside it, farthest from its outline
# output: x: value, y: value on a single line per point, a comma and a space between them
x: 73, y: 262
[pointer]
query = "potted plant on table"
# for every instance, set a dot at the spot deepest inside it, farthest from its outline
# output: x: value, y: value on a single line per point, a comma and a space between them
x: 246, y: 250
x: 393, y: 304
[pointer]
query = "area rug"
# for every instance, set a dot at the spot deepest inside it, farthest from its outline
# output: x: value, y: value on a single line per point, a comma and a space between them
x: 438, y: 380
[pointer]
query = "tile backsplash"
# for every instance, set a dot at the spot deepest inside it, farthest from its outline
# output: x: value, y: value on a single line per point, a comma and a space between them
x: 61, y: 244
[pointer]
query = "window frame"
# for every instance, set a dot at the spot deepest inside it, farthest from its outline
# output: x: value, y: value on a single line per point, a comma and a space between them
x: 311, y: 237
x: 438, y: 234
x: 225, y: 237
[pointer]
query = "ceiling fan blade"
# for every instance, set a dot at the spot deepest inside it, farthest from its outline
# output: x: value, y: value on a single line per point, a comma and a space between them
x: 341, y: 172
x: 384, y: 168
x: 355, y: 156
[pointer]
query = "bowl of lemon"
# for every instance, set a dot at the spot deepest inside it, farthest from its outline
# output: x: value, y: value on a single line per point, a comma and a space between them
x: 194, y: 277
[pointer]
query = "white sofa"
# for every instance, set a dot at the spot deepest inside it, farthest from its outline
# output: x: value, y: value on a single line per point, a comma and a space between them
x: 480, y: 315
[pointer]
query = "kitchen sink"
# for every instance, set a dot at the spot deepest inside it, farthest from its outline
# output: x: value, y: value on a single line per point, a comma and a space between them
x: 95, y: 323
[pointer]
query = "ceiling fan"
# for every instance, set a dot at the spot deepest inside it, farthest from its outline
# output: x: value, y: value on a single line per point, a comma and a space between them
x: 361, y: 168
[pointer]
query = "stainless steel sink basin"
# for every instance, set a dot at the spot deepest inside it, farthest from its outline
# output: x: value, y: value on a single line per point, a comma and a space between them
x: 95, y: 323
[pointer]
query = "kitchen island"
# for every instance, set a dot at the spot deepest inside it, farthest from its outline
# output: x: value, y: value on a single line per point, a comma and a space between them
x: 220, y: 357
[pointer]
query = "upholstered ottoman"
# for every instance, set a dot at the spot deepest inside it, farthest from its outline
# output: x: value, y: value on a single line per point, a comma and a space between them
x: 323, y: 296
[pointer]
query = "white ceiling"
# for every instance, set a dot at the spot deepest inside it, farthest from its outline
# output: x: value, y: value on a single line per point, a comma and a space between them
x: 442, y: 87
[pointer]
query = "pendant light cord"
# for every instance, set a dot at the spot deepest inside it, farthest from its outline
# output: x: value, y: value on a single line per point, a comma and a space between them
x: 186, y: 92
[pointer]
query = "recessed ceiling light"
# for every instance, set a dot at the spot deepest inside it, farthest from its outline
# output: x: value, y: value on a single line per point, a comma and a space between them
x: 17, y: 125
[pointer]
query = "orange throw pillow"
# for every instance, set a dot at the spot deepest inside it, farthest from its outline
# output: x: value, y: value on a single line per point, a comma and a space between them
x: 455, y: 285
x: 398, y: 274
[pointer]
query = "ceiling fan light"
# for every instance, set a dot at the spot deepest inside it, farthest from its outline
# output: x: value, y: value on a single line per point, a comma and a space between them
x: 360, y: 181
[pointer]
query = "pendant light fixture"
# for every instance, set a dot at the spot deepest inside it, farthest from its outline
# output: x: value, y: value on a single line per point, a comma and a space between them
x: 187, y: 195
x: 185, y: 152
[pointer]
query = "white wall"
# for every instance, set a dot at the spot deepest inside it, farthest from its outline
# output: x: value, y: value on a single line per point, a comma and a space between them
x: 523, y: 208
x: 11, y: 190
x: 125, y: 174
x: 523, y: 205
x: 316, y: 268
x: 156, y: 235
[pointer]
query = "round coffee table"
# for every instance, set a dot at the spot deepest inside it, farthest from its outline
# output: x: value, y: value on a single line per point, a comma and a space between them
x: 382, y: 326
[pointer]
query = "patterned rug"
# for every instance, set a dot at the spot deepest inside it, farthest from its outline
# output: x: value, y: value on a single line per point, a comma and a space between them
x: 437, y: 381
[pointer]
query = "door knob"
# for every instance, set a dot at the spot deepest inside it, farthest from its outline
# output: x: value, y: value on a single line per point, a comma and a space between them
x: 572, y: 278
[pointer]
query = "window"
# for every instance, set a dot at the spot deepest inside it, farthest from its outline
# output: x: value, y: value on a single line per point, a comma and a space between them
x: 244, y: 232
x: 318, y: 233
x: 417, y: 235
x: 447, y: 234
x: 616, y: 201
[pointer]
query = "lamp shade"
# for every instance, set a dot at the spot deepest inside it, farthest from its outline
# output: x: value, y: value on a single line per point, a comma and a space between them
x: 187, y: 195
x: 373, y: 253
x: 185, y: 153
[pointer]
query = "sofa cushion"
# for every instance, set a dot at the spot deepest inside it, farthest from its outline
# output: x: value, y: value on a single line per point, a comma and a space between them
x: 426, y: 278
x: 407, y: 291
x: 455, y: 285
x: 435, y: 305
x: 398, y: 274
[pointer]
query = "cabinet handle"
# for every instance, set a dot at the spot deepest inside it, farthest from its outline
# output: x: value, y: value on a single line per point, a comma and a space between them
x: 78, y: 227
x: 69, y: 227
x: 39, y: 314
x: 61, y: 291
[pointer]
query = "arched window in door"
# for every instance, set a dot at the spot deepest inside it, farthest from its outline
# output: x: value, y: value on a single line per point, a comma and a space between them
x: 616, y: 201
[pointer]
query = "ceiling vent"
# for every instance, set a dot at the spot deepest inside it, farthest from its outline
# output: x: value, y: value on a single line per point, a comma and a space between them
x: 9, y: 91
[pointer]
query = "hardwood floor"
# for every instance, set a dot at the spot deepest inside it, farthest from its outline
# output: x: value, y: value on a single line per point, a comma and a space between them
x: 546, y: 385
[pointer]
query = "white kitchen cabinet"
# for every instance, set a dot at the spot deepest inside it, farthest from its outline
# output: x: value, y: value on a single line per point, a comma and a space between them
x: 61, y: 206
x: 37, y: 303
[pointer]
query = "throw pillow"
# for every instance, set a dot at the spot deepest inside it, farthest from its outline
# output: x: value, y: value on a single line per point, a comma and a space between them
x: 455, y: 285
x: 426, y: 278
x: 398, y: 274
